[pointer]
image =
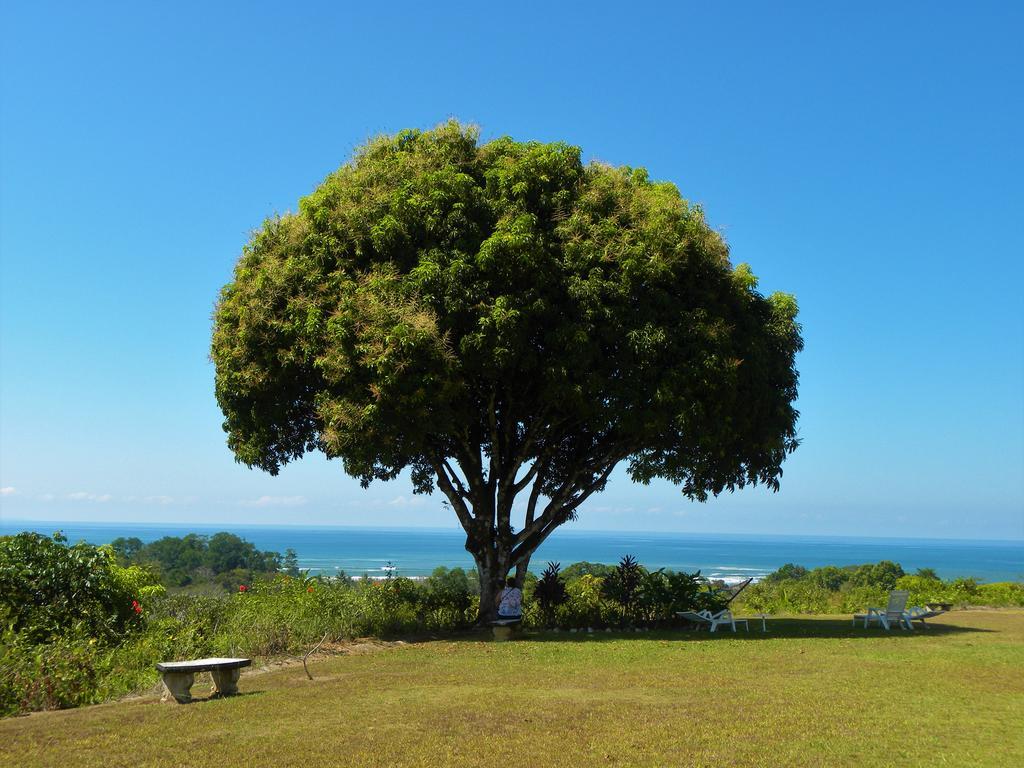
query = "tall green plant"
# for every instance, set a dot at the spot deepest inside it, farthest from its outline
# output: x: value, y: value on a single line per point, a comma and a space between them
x: 550, y: 592
x: 623, y: 586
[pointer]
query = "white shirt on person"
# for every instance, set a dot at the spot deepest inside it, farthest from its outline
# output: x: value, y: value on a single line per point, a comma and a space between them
x: 510, y: 602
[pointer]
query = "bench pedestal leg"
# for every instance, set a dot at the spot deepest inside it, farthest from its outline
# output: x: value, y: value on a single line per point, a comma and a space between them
x: 177, y: 684
x: 501, y: 634
x: 226, y: 681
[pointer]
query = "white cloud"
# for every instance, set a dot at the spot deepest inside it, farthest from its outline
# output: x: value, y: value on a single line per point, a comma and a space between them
x: 85, y: 496
x: 46, y: 497
x: 8, y: 490
x: 275, y: 501
x: 406, y: 501
x: 159, y: 500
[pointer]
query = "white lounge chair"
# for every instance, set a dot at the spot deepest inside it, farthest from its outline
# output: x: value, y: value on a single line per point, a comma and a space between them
x: 713, y: 620
x: 895, y: 612
x: 917, y: 613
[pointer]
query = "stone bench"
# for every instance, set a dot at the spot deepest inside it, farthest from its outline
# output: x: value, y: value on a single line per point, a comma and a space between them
x: 503, y: 629
x: 179, y: 675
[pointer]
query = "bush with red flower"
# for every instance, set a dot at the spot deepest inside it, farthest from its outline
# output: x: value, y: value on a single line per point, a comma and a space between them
x: 49, y: 589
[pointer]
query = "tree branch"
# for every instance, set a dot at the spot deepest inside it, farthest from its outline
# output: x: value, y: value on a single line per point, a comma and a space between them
x: 469, y: 461
x: 495, y: 458
x: 453, y: 476
x: 529, y: 438
x: 599, y: 483
x: 570, y: 495
x: 456, y: 499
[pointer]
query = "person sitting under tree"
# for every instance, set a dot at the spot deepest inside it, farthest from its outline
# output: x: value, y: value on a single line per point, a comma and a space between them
x: 510, y: 601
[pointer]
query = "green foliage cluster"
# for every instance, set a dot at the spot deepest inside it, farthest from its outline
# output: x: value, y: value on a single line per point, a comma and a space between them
x: 603, y: 596
x: 49, y: 589
x: 71, y: 652
x: 64, y: 612
x: 57, y: 674
x: 847, y: 589
x: 375, y: 322
x: 222, y: 558
x: 273, y: 616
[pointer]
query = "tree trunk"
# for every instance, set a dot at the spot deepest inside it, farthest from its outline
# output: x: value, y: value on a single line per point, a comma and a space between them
x: 484, y: 507
x: 522, y: 569
x: 493, y: 565
x: 492, y: 581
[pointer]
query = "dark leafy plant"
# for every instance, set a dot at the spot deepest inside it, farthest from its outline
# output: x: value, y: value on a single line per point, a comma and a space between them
x: 550, y: 591
x: 711, y: 598
x: 290, y: 564
x: 623, y: 586
x: 663, y: 593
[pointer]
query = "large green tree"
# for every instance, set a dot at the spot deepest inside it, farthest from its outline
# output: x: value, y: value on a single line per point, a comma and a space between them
x: 509, y: 324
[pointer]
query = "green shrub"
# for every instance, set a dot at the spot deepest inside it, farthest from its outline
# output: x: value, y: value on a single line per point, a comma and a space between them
x: 853, y: 588
x: 223, y: 559
x: 450, y: 590
x: 787, y: 572
x: 584, y: 606
x: 786, y: 596
x: 584, y: 568
x: 56, y: 674
x: 663, y: 594
x: 48, y: 589
x: 882, y: 575
x: 830, y: 577
x: 1004, y: 594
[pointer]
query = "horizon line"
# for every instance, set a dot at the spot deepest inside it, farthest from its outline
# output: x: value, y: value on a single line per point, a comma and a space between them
x: 225, y: 526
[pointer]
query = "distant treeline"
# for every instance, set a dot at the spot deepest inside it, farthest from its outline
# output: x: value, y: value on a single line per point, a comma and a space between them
x: 851, y: 588
x: 222, y: 558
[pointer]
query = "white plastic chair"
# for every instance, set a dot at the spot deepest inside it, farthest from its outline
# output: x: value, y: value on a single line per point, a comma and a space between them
x: 713, y: 620
x: 895, y: 612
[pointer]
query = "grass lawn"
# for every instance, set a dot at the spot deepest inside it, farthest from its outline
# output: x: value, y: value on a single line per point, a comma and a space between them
x: 812, y: 691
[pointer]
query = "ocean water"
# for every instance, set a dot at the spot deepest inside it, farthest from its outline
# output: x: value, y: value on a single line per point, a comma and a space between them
x: 731, y: 557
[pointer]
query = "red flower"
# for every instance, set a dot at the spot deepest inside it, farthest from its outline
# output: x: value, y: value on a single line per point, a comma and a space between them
x: 309, y: 589
x: 242, y: 588
x: 136, y: 607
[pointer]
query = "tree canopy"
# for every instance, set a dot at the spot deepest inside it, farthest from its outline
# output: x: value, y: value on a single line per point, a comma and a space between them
x: 502, y: 318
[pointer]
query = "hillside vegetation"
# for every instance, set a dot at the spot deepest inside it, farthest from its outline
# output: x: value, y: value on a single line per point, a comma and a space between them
x: 79, y: 627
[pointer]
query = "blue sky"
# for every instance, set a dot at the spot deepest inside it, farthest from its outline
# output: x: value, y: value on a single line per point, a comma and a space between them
x: 868, y: 161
